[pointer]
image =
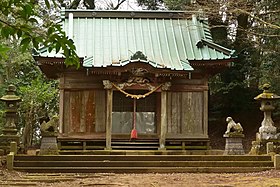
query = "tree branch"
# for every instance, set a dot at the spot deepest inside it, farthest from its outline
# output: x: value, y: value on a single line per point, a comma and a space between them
x: 270, y: 12
x: 120, y: 2
x: 248, y: 31
x: 259, y: 19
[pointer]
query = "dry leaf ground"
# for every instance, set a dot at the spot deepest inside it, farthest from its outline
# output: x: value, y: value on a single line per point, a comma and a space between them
x: 260, y: 179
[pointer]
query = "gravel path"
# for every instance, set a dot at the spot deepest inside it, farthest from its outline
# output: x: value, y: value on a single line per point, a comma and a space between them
x: 265, y: 179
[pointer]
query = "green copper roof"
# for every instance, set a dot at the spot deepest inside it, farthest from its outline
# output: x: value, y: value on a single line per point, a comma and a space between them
x: 167, y: 39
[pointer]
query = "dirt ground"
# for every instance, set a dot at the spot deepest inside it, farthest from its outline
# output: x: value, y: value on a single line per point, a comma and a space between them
x: 259, y: 179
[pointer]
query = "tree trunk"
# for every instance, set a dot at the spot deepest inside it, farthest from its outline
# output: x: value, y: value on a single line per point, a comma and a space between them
x: 27, y: 133
x: 241, y: 34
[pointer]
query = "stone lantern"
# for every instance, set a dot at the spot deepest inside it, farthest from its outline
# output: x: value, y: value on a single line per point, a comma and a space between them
x: 267, y: 139
x: 267, y: 130
x: 9, y: 132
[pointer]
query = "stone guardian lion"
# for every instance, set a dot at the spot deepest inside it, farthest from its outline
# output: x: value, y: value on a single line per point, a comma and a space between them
x: 233, y: 127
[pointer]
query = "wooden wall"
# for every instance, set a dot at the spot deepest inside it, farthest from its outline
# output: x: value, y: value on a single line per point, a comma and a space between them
x: 185, y: 114
x: 82, y: 106
x: 84, y: 111
x: 83, y: 102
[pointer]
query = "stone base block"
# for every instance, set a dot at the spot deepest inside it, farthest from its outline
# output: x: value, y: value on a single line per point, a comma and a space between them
x: 234, y: 146
x: 49, y: 146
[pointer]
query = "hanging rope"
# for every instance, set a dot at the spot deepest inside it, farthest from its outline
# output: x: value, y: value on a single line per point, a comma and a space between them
x: 137, y: 96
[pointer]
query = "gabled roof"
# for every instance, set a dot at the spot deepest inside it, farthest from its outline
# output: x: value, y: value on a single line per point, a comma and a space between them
x: 167, y: 39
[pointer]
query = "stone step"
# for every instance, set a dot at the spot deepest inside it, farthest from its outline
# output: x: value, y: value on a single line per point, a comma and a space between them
x: 106, y: 163
x: 142, y: 158
x: 41, y: 179
x: 142, y: 163
x: 139, y: 152
x: 64, y: 175
x: 17, y: 183
x: 134, y: 147
x: 34, y: 180
x: 143, y: 169
x: 134, y: 143
x: 135, y: 152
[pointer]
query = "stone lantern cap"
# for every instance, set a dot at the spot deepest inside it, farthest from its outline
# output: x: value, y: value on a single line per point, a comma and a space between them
x: 10, y: 94
x: 267, y: 95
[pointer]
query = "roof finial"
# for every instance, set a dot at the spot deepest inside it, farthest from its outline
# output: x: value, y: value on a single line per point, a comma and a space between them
x: 138, y: 55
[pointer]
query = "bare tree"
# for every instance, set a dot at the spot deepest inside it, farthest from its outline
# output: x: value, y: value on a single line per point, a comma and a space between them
x: 91, y: 4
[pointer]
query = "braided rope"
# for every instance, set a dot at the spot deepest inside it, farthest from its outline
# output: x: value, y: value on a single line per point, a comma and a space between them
x: 137, y: 96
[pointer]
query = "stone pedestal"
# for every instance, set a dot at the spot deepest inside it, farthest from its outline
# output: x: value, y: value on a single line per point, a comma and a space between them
x: 49, y: 133
x: 234, y: 144
x: 49, y: 146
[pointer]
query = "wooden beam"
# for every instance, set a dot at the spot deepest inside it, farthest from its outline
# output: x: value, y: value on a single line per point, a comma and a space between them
x: 188, y: 88
x: 109, y: 118
x: 163, y: 118
x: 61, y: 105
x: 163, y: 121
x: 205, y: 113
x: 109, y: 108
x: 128, y: 14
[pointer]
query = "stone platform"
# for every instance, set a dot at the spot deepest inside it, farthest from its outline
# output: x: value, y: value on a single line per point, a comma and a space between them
x: 234, y: 144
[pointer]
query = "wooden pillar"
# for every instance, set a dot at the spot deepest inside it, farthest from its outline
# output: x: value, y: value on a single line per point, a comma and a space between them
x: 205, y: 113
x: 109, y: 107
x: 61, y: 104
x: 163, y: 114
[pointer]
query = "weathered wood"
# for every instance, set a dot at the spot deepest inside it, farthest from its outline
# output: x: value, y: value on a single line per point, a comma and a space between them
x: 89, y: 111
x: 75, y: 103
x: 158, y: 111
x: 85, y: 109
x: 187, y: 137
x: 169, y: 112
x: 185, y: 113
x: 179, y: 113
x: 80, y: 81
x: 163, y: 121
x: 100, y: 111
x: 186, y: 109
x: 84, y: 96
x: 66, y: 112
x: 79, y: 111
x: 205, y: 113
x: 102, y: 136
x: 174, y: 112
x: 109, y: 108
x: 175, y: 107
x: 197, y: 111
x: 61, y: 106
x: 79, y: 86
x: 180, y: 81
x: 188, y: 88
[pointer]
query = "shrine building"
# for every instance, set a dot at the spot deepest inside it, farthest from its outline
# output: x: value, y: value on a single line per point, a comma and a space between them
x: 142, y: 83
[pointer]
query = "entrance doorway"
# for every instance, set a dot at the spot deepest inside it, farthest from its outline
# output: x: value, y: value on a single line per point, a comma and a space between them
x: 122, y: 116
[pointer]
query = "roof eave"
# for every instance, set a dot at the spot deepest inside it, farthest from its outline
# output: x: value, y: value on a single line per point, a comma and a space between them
x: 212, y: 63
x: 126, y: 13
x: 218, y: 47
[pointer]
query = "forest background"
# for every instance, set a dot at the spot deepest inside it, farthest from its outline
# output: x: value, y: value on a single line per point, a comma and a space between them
x: 250, y: 27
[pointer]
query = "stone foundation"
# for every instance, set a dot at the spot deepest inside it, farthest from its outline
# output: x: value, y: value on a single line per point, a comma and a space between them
x: 234, y: 144
x: 49, y: 146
